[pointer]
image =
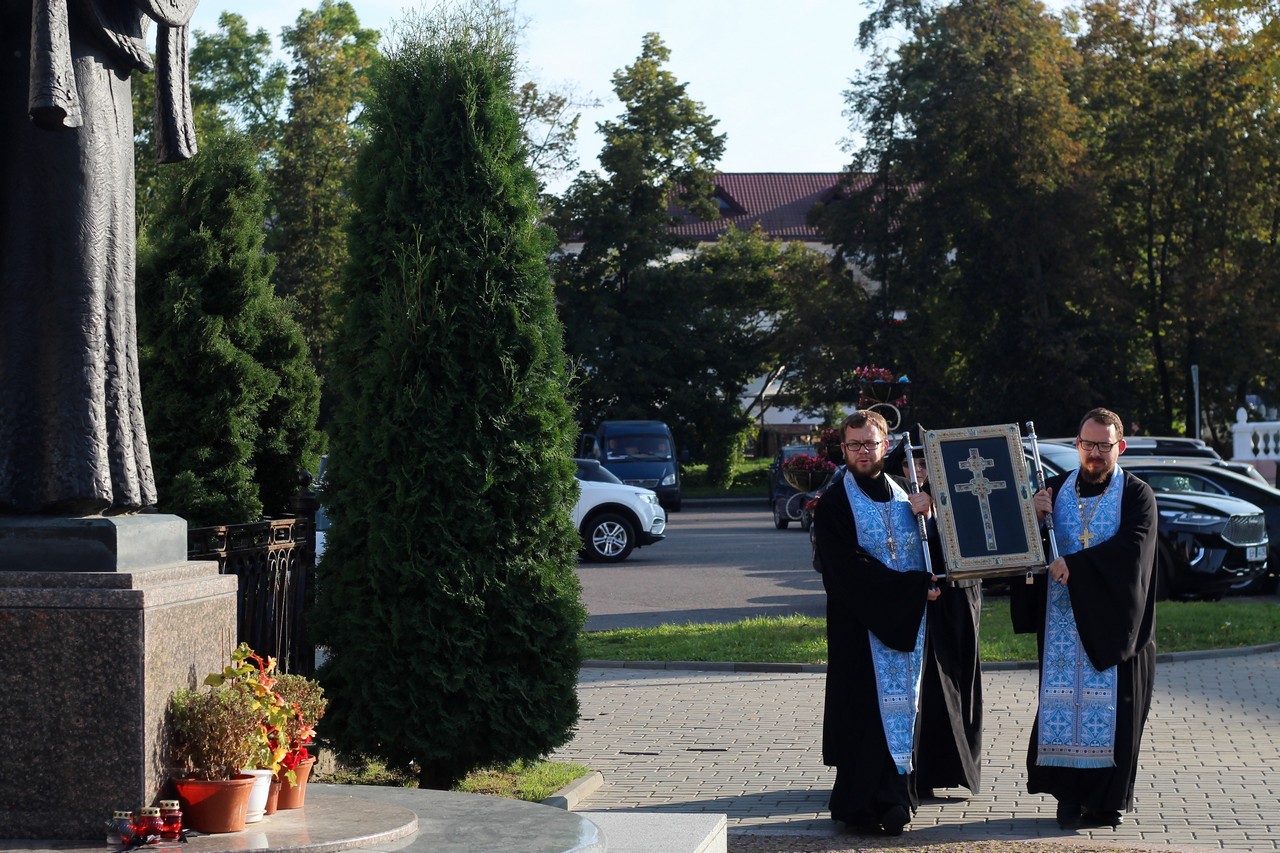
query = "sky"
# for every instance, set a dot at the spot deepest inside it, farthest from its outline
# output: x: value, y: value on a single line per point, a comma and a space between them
x: 772, y: 73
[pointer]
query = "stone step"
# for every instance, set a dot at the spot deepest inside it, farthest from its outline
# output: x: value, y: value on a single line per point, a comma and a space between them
x: 660, y: 832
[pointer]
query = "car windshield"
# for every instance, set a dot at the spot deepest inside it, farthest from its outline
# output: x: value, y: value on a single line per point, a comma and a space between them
x: 637, y: 447
x: 589, y: 469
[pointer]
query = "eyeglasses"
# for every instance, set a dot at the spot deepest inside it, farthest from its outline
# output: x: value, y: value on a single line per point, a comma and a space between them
x: 1100, y: 446
x: 859, y: 446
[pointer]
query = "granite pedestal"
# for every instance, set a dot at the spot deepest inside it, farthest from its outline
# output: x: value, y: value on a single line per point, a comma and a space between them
x: 378, y: 820
x: 101, y: 619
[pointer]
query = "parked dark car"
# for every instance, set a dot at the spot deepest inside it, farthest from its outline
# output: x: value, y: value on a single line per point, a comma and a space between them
x: 1154, y: 445
x: 786, y: 501
x: 1208, y: 544
x: 1180, y: 476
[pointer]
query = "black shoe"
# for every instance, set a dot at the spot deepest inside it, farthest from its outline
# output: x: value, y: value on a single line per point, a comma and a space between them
x: 895, y: 820
x: 857, y: 827
x: 1068, y: 815
x: 1109, y: 818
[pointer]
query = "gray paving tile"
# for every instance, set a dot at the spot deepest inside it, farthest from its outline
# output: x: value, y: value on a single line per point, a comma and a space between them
x: 1204, y: 777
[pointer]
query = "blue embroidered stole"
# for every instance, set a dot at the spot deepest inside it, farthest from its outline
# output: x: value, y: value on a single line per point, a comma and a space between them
x: 898, y: 674
x: 1077, y: 702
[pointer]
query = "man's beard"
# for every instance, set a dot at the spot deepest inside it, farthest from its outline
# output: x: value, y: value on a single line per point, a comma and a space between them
x: 1094, y: 477
x: 877, y: 467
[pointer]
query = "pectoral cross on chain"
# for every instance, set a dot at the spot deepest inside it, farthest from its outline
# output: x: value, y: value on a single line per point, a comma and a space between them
x: 1085, y: 538
x: 982, y: 488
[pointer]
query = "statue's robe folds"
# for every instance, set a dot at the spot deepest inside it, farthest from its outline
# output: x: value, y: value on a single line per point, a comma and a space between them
x: 72, y: 437
x: 1112, y: 588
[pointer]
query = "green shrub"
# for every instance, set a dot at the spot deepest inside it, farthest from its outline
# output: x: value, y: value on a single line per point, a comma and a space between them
x: 447, y: 597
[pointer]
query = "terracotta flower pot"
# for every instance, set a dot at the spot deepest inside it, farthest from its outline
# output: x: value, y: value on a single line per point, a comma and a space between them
x: 273, y: 797
x: 292, y: 795
x: 214, y: 806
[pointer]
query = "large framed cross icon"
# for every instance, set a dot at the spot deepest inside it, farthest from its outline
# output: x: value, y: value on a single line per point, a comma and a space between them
x: 982, y: 490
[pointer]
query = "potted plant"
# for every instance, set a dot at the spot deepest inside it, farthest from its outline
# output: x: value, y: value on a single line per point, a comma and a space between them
x: 214, y: 735
x: 255, y: 677
x: 305, y: 700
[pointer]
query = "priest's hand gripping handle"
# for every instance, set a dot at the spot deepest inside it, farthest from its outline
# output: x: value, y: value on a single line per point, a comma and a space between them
x: 915, y: 489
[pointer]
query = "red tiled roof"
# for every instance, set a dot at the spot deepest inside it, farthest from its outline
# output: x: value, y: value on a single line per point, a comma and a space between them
x: 779, y: 201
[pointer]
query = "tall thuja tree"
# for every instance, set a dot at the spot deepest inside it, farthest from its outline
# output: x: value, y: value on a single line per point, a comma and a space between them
x: 447, y: 597
x: 972, y: 214
x: 229, y: 396
x: 331, y: 58
x: 616, y: 308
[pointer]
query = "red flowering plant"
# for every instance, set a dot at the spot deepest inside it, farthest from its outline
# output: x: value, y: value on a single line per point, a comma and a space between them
x: 806, y: 472
x: 879, y: 385
x: 305, y: 699
x: 255, y: 678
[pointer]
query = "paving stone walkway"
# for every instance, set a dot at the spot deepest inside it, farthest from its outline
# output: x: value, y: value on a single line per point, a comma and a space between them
x: 747, y: 744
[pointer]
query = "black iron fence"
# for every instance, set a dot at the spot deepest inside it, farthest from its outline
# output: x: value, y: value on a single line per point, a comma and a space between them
x: 275, y: 562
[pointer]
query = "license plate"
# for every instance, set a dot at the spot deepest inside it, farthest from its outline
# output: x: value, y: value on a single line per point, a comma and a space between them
x: 1257, y: 552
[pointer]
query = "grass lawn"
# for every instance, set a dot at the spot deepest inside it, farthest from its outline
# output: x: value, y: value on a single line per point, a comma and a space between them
x: 519, y: 780
x: 750, y: 480
x: 1180, y: 626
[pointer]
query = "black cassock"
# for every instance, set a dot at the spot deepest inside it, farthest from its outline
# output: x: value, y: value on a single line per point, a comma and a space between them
x: 862, y: 594
x: 951, y: 697
x: 1113, y: 592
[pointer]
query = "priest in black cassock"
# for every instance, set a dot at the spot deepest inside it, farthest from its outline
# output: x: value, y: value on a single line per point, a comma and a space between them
x: 950, y: 745
x: 1094, y: 616
x: 868, y: 548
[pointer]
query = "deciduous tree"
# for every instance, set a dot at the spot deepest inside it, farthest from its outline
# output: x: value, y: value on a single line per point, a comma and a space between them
x: 972, y: 217
x: 627, y: 326
x: 332, y: 55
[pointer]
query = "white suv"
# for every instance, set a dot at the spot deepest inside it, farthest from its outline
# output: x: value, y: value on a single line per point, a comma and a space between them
x: 612, y: 517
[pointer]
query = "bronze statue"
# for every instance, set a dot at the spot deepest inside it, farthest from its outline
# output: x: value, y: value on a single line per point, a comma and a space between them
x: 72, y: 437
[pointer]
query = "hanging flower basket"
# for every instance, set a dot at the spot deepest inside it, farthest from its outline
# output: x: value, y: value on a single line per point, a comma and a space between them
x: 880, y: 385
x: 807, y: 473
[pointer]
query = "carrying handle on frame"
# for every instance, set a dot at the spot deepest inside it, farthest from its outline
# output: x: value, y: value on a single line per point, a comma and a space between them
x: 915, y: 489
x: 1040, y: 486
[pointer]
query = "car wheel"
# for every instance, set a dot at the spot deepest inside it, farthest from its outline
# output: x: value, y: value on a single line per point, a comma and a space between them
x: 609, y: 538
x: 806, y: 521
x: 780, y: 519
x: 674, y: 506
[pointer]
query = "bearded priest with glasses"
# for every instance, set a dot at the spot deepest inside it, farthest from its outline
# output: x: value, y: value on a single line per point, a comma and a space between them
x: 867, y: 546
x: 1094, y: 616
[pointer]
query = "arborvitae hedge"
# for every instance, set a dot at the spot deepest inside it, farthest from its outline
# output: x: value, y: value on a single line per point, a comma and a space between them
x: 230, y: 399
x: 447, y: 599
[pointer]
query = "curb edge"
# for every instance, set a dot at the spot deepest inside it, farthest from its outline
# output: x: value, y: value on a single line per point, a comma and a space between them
x: 571, y: 795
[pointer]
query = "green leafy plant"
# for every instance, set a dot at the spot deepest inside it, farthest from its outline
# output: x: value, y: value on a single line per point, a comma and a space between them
x: 215, y: 732
x: 304, y: 698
